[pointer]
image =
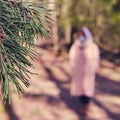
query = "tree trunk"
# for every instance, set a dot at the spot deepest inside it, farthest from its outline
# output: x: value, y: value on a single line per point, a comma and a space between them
x: 54, y: 25
x: 67, y: 24
x: 68, y: 33
x: 99, y: 28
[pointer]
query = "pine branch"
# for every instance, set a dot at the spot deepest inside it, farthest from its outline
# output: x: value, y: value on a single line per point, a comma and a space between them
x: 19, y: 24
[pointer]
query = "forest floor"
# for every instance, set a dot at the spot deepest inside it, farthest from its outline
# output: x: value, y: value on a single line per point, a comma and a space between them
x: 48, y: 97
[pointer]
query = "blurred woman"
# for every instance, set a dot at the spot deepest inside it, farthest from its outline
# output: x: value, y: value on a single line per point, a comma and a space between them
x: 84, y: 61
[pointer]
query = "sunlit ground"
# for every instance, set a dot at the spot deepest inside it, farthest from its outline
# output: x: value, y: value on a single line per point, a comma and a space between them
x: 48, y: 97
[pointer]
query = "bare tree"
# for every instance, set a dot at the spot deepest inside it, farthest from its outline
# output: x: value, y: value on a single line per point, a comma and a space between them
x: 67, y: 24
x: 54, y: 25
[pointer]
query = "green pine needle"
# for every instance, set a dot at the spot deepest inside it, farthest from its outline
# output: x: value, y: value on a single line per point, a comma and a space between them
x: 21, y: 22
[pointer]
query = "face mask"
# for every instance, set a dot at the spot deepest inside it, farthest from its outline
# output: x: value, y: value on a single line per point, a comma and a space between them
x: 82, y: 39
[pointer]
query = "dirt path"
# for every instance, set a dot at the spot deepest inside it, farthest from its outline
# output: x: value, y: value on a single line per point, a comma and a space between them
x: 48, y: 97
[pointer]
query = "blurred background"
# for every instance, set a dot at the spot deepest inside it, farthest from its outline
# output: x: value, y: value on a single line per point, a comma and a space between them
x: 48, y: 97
x: 100, y: 16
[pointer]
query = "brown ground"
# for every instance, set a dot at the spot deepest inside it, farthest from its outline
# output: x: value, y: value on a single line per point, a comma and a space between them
x: 48, y: 97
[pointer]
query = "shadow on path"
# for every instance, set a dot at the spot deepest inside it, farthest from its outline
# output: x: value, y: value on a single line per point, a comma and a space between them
x: 103, y: 86
x: 111, y: 115
x: 71, y: 102
x: 10, y: 112
x: 107, y: 86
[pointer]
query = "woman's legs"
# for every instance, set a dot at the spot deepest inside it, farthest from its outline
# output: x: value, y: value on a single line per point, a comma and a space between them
x: 84, y: 102
x: 84, y: 99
